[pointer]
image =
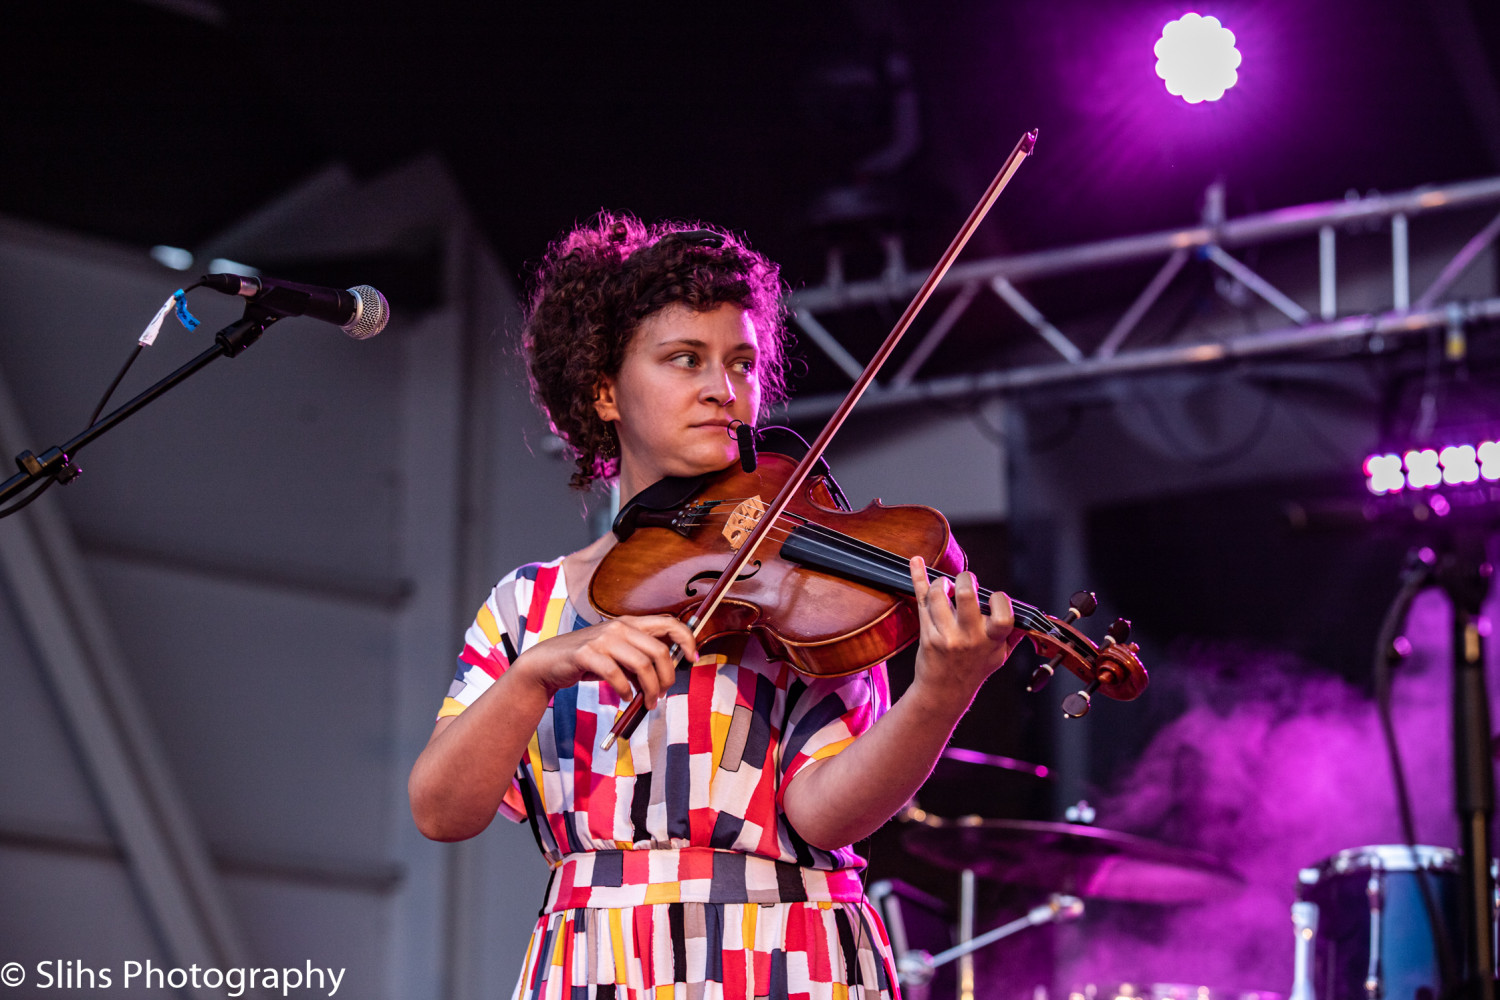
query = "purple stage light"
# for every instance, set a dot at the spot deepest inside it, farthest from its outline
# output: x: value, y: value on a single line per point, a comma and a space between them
x: 1459, y: 465
x: 1431, y: 468
x: 1196, y: 58
x: 1422, y: 470
x: 1383, y: 474
x: 1488, y: 454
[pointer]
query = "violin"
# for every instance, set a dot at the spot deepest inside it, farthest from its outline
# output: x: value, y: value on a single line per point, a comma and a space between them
x: 791, y: 562
x: 830, y: 589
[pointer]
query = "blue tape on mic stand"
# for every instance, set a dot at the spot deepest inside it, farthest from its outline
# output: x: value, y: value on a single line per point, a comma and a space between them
x: 186, y: 318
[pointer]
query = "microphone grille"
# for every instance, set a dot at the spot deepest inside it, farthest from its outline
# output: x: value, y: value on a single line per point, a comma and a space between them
x: 371, y: 316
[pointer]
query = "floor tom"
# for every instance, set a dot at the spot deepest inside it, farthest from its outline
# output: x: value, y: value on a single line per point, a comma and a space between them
x: 1363, y: 930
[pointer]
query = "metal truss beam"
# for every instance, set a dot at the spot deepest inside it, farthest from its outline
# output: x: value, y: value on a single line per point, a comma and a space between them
x: 1353, y: 334
x: 1211, y: 241
x: 1280, y: 224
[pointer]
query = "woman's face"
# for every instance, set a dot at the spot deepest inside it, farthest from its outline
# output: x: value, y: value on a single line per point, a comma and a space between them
x: 685, y: 376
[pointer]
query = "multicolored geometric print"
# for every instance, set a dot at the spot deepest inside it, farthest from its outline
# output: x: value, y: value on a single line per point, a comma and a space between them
x: 828, y: 946
x: 691, y: 875
x: 699, y: 784
x: 707, y: 766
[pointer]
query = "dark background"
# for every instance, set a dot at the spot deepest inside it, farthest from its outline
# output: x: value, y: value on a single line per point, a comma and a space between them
x: 164, y: 122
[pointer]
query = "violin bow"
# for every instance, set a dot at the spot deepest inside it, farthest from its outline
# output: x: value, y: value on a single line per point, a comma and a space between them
x: 627, y: 720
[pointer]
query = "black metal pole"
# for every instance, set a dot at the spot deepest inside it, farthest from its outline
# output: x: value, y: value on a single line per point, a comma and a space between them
x: 229, y: 342
x: 1465, y: 575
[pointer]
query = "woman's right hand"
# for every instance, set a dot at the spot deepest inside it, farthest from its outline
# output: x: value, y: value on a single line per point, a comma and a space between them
x: 628, y: 653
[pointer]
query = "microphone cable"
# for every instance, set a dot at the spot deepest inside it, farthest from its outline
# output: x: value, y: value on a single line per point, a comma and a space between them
x: 1415, y: 577
x: 177, y: 302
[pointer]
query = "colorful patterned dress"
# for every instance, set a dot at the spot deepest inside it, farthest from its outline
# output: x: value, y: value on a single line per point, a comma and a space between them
x: 674, y: 871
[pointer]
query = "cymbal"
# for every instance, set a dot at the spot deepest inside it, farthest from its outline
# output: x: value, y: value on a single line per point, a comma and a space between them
x: 1067, y: 857
x: 962, y: 756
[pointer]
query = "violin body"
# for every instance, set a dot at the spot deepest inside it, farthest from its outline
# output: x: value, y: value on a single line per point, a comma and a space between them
x: 676, y: 544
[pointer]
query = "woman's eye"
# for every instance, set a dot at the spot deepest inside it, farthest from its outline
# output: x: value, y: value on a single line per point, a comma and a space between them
x: 685, y: 360
x: 745, y: 367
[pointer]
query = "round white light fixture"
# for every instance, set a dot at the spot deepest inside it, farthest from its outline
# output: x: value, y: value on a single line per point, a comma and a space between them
x: 1196, y: 58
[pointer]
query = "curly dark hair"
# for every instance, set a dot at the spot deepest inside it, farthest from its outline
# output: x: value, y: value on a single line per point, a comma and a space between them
x: 594, y: 287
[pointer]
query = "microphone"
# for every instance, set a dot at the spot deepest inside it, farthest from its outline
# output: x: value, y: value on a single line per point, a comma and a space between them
x: 744, y: 435
x: 361, y: 311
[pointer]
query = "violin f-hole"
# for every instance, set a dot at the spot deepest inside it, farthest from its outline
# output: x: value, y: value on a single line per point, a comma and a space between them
x: 698, y: 578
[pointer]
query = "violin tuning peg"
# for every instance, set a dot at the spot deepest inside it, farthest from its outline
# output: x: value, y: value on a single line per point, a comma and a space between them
x: 1119, y: 630
x: 1042, y: 674
x: 1077, y: 704
x: 1084, y: 603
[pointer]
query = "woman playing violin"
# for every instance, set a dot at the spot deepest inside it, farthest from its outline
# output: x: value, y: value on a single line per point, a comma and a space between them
x: 711, y: 850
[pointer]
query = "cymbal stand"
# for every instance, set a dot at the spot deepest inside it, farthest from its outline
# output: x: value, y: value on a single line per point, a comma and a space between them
x: 915, y: 967
x: 967, y: 889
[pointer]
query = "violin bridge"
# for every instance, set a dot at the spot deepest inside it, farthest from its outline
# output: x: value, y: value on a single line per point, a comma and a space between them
x: 743, y: 521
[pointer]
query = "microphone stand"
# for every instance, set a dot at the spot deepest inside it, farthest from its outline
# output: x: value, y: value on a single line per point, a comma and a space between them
x: 1464, y: 575
x: 57, y: 462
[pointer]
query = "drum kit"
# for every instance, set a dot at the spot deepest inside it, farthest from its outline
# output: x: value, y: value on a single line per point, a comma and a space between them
x: 1366, y: 922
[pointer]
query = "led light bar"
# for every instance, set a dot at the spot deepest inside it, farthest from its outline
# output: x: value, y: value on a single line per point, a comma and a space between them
x: 1429, y: 468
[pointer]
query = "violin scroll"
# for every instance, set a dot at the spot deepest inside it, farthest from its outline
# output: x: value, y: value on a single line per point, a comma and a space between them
x: 1112, y: 666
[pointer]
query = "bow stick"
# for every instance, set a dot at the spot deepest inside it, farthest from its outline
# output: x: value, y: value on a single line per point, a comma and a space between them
x: 626, y: 721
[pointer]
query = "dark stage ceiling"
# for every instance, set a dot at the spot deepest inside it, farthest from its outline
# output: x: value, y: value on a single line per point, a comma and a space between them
x: 165, y: 121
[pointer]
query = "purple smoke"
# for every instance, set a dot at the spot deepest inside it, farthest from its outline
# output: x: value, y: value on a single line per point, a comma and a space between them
x: 1274, y: 767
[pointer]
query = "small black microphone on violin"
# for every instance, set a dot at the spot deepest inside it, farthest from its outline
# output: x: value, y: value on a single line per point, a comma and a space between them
x: 1082, y: 604
x: 744, y: 435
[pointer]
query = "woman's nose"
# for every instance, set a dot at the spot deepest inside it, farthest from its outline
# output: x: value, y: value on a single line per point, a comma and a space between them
x: 718, y: 387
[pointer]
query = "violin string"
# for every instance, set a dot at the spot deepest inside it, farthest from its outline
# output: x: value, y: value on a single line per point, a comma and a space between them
x: 892, y: 560
x: 1028, y: 617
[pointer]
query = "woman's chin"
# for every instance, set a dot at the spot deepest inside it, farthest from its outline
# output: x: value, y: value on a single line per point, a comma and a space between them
x: 702, y: 464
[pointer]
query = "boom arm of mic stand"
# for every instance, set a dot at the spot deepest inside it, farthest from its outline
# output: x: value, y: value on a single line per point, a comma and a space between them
x: 229, y: 342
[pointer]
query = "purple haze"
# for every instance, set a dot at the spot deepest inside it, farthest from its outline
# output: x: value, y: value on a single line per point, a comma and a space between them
x: 1274, y: 767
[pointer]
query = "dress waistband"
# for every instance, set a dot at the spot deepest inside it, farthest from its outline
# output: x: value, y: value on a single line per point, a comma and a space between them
x: 614, y: 879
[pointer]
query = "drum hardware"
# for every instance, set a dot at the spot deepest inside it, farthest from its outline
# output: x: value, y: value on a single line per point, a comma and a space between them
x: 1375, y: 892
x: 1083, y: 861
x: 1081, y: 812
x: 966, y: 894
x: 1305, y: 925
x: 914, y: 919
x: 915, y: 968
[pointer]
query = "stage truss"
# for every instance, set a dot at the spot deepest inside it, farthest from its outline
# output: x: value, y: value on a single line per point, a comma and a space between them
x: 1212, y: 240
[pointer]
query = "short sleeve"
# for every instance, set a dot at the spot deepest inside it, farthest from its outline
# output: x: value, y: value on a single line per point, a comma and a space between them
x: 825, y: 715
x: 487, y: 652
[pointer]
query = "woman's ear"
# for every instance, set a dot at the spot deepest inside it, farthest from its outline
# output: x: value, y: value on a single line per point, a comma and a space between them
x: 604, y: 400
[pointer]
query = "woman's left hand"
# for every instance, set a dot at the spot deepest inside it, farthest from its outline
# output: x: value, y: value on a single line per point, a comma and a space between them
x: 847, y: 796
x: 960, y: 645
